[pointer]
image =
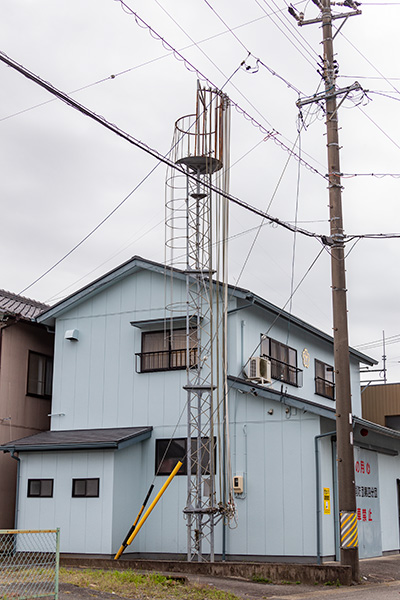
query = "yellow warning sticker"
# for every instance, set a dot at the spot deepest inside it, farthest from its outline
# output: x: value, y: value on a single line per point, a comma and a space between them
x: 327, y: 501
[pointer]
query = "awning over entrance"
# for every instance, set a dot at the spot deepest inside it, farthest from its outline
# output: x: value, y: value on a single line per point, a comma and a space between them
x: 80, y: 439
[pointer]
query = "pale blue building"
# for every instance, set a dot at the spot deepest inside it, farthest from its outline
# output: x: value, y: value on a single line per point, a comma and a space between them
x: 118, y: 396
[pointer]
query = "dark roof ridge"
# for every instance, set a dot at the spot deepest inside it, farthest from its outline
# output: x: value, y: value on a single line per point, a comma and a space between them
x: 25, y: 299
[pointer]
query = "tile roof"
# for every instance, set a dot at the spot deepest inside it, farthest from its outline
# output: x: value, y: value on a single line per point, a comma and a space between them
x: 79, y: 439
x: 12, y: 304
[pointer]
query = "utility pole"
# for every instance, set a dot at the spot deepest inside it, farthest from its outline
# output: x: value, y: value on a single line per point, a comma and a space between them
x: 344, y: 426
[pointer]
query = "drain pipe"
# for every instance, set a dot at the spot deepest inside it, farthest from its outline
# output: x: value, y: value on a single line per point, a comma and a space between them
x: 17, y: 488
x: 317, y: 490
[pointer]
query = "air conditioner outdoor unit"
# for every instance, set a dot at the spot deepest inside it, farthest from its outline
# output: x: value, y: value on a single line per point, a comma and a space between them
x: 259, y: 369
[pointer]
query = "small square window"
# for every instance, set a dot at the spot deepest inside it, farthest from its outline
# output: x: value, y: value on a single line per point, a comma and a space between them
x: 40, y: 488
x: 85, y: 488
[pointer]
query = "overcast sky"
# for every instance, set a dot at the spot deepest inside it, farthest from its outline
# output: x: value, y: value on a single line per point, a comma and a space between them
x: 62, y: 174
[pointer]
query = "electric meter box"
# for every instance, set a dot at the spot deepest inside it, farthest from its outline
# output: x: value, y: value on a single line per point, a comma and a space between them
x: 238, y: 484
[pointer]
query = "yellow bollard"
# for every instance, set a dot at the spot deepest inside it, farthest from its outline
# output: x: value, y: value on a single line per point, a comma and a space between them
x: 148, y: 511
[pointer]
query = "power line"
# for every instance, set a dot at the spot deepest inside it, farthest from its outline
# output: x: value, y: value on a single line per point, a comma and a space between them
x: 386, y: 95
x: 291, y: 33
x: 164, y: 158
x: 368, y: 61
x: 379, y: 127
x: 391, y: 337
x: 190, y: 67
x: 155, y: 154
x: 87, y: 236
x: 377, y: 175
x: 227, y: 26
x: 357, y: 77
x: 144, y: 64
x: 161, y: 159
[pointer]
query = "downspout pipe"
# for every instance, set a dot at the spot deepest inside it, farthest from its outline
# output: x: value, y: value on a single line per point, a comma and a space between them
x: 17, y: 488
x: 317, y: 490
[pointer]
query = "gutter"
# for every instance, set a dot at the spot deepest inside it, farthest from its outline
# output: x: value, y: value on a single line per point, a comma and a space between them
x: 17, y: 488
x: 317, y: 490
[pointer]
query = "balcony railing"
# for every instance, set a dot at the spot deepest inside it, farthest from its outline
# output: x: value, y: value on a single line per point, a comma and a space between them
x: 325, y: 388
x: 285, y: 372
x: 164, y: 360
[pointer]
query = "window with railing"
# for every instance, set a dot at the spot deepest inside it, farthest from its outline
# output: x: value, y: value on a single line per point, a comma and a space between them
x: 324, y: 380
x: 283, y: 361
x: 166, y: 351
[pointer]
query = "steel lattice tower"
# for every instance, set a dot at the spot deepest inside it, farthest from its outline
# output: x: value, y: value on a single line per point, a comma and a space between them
x: 199, y: 147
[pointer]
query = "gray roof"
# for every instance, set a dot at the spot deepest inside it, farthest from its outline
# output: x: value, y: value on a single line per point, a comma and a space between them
x: 80, y: 439
x: 18, y: 306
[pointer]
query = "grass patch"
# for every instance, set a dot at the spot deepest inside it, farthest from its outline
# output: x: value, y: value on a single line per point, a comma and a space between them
x: 144, y: 586
x: 331, y: 583
x: 258, y: 579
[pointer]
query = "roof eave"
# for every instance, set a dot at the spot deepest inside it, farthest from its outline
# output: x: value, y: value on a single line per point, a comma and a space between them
x: 130, y: 266
x: 137, y: 263
x: 265, y: 305
x: 248, y: 386
x: 79, y: 446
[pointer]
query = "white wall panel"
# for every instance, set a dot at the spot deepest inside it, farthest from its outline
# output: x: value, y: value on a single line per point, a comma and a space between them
x: 85, y: 523
x: 389, y: 471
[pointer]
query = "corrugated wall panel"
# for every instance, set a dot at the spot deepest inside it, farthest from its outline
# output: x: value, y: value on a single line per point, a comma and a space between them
x: 380, y: 400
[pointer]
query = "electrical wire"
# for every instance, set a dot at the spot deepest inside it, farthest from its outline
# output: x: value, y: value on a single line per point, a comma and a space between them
x: 295, y: 44
x: 369, y: 62
x: 258, y: 60
x: 59, y: 295
x: 141, y: 145
x: 379, y: 127
x: 303, y: 125
x: 146, y: 63
x: 296, y: 212
x: 102, y: 121
x: 377, y: 175
x: 282, y: 309
x: 190, y: 38
x: 392, y: 339
x: 227, y: 26
x: 88, y: 235
x: 155, y: 154
x: 357, y: 77
x: 273, y: 134
x: 384, y: 94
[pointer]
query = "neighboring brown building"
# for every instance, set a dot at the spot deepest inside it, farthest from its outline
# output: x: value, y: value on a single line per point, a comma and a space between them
x: 26, y: 369
x: 381, y: 404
